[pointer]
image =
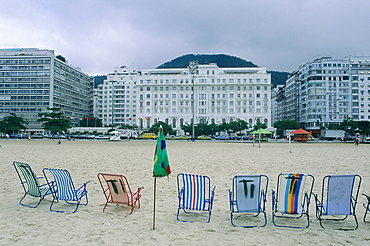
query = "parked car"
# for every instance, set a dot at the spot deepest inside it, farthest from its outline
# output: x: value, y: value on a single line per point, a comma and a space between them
x: 222, y: 138
x: 102, y: 137
x: 244, y: 137
x: 39, y: 136
x: 148, y: 135
x: 203, y: 137
x: 185, y: 137
x: 349, y: 138
x: 57, y: 136
x: 19, y: 136
x: 172, y: 137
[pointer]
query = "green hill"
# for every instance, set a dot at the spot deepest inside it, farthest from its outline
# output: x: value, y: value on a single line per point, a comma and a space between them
x: 222, y: 60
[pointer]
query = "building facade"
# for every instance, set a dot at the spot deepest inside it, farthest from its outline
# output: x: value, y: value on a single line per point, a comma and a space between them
x: 327, y: 91
x: 220, y: 95
x: 32, y: 80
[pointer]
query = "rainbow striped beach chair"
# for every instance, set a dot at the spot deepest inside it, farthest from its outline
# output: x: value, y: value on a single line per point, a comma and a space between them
x: 292, y: 200
x: 248, y: 198
x: 338, y: 199
x: 64, y: 189
x: 195, y: 196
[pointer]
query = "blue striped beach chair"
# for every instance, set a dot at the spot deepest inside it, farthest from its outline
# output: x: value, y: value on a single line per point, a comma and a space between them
x: 30, y: 184
x: 338, y: 199
x: 291, y: 200
x: 248, y: 198
x: 195, y: 195
x: 64, y: 189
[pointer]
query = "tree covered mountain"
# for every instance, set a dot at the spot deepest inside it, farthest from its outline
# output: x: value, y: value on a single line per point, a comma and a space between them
x: 222, y: 60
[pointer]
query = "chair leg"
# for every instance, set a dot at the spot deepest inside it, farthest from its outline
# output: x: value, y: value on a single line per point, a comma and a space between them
x: 367, y: 207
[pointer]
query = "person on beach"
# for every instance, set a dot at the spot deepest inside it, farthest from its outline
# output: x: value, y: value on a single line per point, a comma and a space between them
x: 356, y: 142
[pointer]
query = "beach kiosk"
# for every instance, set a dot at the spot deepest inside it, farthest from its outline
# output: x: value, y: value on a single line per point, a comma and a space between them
x: 301, y: 135
x: 261, y: 135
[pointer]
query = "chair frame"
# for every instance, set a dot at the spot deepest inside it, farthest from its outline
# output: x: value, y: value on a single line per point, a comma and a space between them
x: 132, y: 198
x: 320, y: 210
x: 30, y: 183
x: 233, y: 200
x: 366, y: 206
x: 208, y: 196
x: 57, y: 180
x: 304, y: 205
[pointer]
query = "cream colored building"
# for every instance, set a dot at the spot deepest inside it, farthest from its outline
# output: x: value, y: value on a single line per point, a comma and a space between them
x: 143, y: 98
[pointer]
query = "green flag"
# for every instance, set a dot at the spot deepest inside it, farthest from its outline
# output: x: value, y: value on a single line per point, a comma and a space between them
x: 161, y: 163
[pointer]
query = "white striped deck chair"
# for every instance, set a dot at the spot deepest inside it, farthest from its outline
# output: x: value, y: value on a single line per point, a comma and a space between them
x: 64, y: 189
x: 195, y: 195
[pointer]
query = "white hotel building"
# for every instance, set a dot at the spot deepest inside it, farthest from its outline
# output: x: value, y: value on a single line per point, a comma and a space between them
x: 143, y: 98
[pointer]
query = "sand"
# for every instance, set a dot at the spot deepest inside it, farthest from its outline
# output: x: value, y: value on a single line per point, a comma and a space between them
x: 219, y: 160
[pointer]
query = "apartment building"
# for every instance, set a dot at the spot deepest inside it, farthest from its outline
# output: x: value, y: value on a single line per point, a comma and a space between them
x: 31, y: 80
x: 327, y: 91
x: 144, y: 97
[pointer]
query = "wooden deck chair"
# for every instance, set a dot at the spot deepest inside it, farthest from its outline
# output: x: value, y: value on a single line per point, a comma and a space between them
x: 248, y: 198
x: 366, y: 206
x: 64, y: 189
x: 30, y: 184
x: 195, y: 195
x: 338, y: 199
x: 292, y: 200
x: 117, y: 190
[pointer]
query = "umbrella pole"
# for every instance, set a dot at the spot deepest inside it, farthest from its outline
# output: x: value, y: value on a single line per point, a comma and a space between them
x: 155, y: 189
x: 289, y: 143
x: 259, y: 141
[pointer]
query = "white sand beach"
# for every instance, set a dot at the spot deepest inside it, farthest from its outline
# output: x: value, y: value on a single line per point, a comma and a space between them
x: 220, y: 161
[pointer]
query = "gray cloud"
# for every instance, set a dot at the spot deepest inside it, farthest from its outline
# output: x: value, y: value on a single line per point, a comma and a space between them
x: 101, y: 35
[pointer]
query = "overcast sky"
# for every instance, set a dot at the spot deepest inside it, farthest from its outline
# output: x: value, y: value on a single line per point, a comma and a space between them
x: 101, y: 35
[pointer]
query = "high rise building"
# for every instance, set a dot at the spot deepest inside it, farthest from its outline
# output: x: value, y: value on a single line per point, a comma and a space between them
x: 144, y: 97
x: 327, y: 91
x: 32, y: 80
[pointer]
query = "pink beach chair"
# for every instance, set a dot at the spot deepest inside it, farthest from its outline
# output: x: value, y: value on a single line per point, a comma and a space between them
x: 117, y: 190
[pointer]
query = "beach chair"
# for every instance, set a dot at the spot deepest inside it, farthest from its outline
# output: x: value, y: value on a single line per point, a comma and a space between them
x: 338, y: 199
x: 290, y: 202
x: 64, y: 189
x: 248, y: 198
x: 195, y: 196
x: 366, y: 206
x: 117, y: 190
x: 30, y: 184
